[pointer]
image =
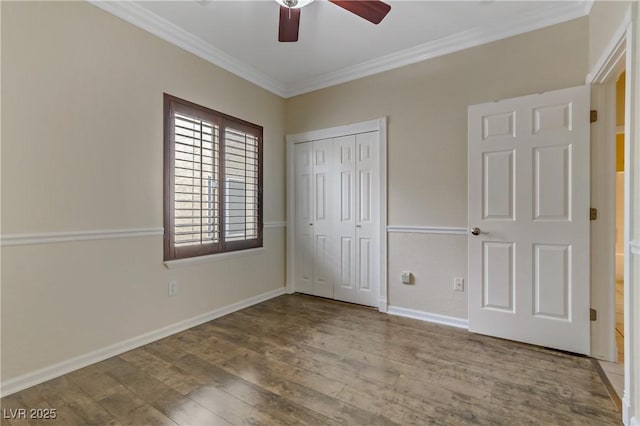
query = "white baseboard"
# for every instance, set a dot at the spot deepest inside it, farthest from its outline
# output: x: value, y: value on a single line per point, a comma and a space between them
x: 39, y: 376
x: 428, y: 317
x: 626, y: 410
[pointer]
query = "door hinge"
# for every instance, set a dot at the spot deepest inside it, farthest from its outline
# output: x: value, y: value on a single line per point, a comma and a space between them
x: 593, y: 214
x: 593, y: 116
x: 593, y: 314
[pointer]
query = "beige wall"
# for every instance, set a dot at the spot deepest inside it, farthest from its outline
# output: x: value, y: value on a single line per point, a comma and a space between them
x: 82, y: 151
x: 427, y: 142
x: 604, y: 20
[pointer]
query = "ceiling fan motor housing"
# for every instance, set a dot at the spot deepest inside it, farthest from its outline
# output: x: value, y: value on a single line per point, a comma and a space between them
x: 294, y: 4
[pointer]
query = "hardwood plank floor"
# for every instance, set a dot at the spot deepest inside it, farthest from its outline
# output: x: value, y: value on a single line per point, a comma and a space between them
x: 303, y: 360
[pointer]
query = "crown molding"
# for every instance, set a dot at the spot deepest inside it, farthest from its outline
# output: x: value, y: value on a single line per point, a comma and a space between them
x: 143, y: 18
x: 470, y: 38
x: 148, y: 21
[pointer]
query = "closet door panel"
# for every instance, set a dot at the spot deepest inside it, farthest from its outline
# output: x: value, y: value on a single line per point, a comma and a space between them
x: 345, y: 217
x: 367, y: 229
x: 304, y: 255
x: 323, y: 213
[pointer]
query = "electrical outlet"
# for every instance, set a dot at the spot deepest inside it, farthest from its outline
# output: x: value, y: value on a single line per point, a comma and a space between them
x: 173, y: 288
x: 458, y: 284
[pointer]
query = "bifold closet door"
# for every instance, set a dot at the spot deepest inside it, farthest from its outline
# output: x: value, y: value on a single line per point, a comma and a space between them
x: 337, y: 217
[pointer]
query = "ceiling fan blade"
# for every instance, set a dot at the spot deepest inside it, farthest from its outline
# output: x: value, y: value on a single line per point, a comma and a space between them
x: 289, y: 24
x: 372, y: 10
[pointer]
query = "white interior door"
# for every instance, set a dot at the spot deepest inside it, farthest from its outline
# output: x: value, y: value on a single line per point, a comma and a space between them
x: 528, y: 162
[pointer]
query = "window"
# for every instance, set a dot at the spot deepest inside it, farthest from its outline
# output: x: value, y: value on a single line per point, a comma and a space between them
x: 212, y: 181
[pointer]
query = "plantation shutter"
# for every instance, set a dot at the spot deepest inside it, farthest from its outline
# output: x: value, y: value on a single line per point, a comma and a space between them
x: 241, y: 173
x: 213, y: 182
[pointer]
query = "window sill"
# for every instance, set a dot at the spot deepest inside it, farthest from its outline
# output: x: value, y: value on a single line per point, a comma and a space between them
x: 178, y: 263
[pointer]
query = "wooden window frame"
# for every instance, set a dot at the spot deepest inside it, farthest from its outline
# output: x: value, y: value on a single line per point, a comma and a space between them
x: 173, y: 104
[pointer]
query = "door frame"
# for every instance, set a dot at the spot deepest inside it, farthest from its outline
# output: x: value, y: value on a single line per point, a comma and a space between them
x: 379, y: 125
x: 620, y: 54
x: 603, y: 174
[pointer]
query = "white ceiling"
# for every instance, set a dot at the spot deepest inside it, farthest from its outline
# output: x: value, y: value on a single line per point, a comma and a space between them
x: 334, y: 45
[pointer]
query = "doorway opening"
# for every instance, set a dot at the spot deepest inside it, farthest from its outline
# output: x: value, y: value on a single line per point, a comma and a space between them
x: 615, y: 370
x: 619, y: 209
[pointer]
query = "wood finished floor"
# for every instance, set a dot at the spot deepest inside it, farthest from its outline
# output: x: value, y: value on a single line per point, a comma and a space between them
x: 303, y: 360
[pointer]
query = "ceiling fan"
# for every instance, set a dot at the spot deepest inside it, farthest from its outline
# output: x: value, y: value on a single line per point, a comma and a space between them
x: 372, y: 10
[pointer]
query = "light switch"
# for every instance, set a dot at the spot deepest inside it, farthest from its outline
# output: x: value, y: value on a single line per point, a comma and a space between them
x: 406, y: 277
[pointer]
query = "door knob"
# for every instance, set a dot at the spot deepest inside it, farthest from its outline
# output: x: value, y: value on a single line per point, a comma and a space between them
x: 477, y: 231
